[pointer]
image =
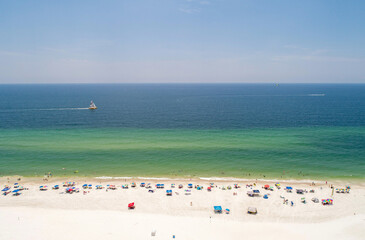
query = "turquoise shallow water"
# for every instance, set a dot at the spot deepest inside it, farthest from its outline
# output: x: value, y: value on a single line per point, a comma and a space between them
x: 300, y: 153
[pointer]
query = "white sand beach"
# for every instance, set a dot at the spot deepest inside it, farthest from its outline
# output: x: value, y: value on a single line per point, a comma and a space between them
x: 102, y: 214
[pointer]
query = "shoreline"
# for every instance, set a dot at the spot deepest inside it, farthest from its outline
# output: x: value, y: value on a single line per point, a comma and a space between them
x: 12, y: 179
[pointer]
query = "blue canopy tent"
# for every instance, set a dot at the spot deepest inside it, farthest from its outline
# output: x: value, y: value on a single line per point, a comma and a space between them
x: 217, y: 209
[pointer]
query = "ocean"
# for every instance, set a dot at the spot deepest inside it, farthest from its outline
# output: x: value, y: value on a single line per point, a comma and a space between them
x: 286, y: 131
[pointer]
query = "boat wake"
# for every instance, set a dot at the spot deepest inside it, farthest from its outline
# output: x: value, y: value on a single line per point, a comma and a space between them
x: 42, y: 109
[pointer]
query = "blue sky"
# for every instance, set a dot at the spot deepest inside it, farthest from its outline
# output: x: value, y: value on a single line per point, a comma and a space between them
x: 182, y: 41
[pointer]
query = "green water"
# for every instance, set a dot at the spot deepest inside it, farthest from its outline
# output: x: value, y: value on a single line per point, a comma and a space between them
x: 299, y: 153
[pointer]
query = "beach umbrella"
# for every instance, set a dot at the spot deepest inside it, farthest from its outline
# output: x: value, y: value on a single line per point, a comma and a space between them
x: 5, y: 189
x: 15, y: 191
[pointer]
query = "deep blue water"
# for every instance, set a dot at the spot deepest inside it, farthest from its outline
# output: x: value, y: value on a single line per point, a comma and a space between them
x: 195, y: 106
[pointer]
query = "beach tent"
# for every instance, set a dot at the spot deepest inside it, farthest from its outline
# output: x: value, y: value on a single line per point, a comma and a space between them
x: 131, y: 205
x: 250, y: 193
x: 300, y: 191
x: 252, y: 210
x: 217, y: 209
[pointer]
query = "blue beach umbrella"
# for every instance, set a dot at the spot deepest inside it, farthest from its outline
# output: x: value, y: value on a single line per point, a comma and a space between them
x: 5, y: 189
x: 15, y: 191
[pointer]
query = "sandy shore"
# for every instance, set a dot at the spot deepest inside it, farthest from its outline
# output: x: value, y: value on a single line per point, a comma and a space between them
x: 101, y: 214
